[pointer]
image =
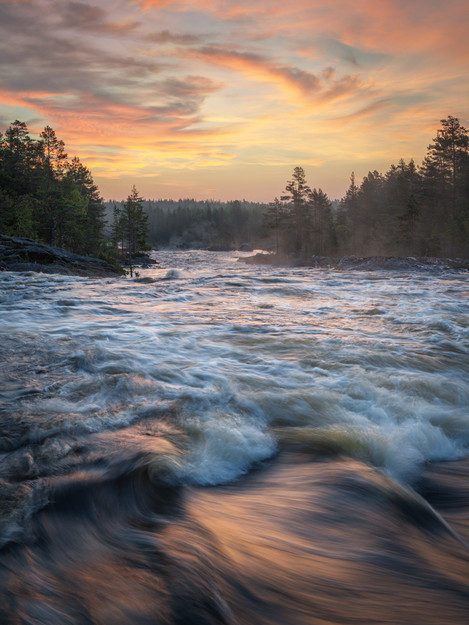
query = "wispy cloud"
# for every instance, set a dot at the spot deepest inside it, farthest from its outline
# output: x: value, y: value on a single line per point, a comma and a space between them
x: 165, y: 37
x: 88, y: 17
x: 144, y: 86
x: 260, y: 68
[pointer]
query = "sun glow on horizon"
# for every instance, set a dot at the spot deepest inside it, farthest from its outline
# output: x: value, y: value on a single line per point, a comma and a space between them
x: 198, y: 98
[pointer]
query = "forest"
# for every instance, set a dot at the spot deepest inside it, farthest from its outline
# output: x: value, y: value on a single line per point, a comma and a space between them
x: 192, y: 224
x: 47, y: 197
x: 410, y: 210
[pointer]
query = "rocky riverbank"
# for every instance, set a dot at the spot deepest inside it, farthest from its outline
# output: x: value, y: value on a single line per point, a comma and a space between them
x: 369, y: 263
x: 21, y: 254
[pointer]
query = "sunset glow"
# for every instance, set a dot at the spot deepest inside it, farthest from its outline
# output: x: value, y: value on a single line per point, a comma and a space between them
x: 218, y: 99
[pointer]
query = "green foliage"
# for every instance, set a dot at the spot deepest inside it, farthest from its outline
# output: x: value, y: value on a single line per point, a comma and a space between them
x: 45, y: 196
x: 296, y: 201
x: 129, y: 230
x: 302, y: 220
x: 23, y: 217
x: 276, y: 219
x: 188, y: 223
x: 409, y: 210
x: 134, y: 223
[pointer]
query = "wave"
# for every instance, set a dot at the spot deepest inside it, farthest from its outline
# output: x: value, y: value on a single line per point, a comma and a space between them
x: 279, y: 547
x: 235, y: 446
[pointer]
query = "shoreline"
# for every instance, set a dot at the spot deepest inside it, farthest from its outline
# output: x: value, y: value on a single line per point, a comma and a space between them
x: 365, y: 263
x: 22, y: 254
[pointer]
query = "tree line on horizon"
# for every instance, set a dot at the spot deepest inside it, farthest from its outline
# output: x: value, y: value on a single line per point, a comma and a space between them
x: 410, y: 210
x: 189, y: 223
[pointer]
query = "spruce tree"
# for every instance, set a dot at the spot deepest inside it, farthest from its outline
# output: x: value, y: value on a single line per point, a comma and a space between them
x: 320, y: 226
x: 275, y: 218
x: 296, y: 198
x: 134, y: 225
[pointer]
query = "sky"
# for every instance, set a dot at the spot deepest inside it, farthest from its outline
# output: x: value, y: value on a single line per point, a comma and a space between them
x: 221, y: 99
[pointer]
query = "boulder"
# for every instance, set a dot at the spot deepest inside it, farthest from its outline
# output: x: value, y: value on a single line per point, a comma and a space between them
x: 221, y: 248
x: 367, y: 263
x: 21, y: 254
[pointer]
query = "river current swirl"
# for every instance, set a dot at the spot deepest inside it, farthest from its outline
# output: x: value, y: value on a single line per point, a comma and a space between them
x: 217, y: 442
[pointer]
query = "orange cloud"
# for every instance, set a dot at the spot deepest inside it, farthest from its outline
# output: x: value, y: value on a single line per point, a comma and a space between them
x: 154, y: 4
x: 305, y: 87
x: 387, y: 25
x: 178, y: 85
x: 292, y: 78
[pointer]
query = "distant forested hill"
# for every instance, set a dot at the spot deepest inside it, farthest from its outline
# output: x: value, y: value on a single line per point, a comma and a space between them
x: 188, y: 223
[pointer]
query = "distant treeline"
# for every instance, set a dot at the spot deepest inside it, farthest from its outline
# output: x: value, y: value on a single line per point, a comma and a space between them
x: 189, y: 223
x: 409, y: 210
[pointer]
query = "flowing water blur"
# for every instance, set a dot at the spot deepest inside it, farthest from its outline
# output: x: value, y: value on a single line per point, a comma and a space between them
x: 226, y: 443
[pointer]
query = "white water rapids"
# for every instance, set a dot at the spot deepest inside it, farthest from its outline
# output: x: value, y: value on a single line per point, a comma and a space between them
x: 241, y: 359
x: 229, y: 444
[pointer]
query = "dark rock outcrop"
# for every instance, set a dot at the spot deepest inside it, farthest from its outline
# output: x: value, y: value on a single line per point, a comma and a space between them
x: 221, y: 248
x: 138, y: 261
x: 21, y: 254
x: 369, y: 263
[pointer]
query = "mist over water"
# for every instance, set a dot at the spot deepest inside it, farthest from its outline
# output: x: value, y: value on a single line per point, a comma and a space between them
x: 234, y: 444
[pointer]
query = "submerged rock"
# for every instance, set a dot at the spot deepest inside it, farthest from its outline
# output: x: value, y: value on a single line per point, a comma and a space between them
x: 21, y: 254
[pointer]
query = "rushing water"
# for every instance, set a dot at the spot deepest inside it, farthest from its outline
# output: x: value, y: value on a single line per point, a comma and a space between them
x: 234, y: 444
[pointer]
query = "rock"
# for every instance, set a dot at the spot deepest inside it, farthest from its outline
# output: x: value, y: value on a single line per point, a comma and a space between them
x: 145, y: 280
x: 139, y: 261
x: 21, y: 254
x: 368, y: 263
x: 221, y: 248
x: 245, y: 247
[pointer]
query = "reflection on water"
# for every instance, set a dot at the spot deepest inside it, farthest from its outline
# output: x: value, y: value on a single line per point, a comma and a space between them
x: 336, y: 396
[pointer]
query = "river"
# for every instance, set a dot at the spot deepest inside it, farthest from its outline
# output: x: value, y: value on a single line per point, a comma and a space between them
x: 235, y: 444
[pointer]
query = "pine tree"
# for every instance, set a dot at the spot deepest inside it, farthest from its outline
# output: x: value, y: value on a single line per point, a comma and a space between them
x: 45, y: 197
x: 449, y: 151
x: 93, y: 220
x: 296, y: 198
x: 134, y: 225
x: 320, y: 226
x: 346, y: 215
x: 275, y: 218
x: 53, y: 165
x: 445, y: 188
